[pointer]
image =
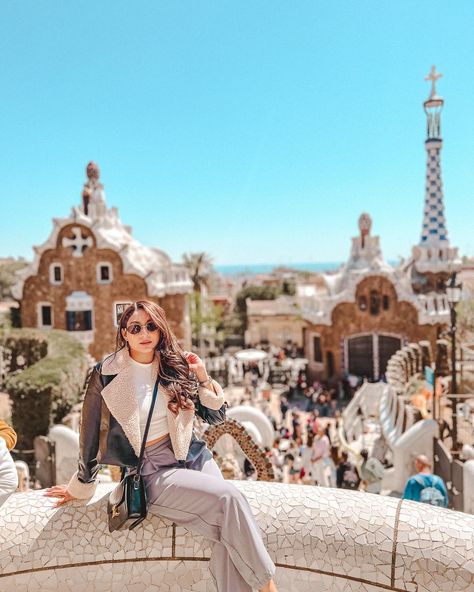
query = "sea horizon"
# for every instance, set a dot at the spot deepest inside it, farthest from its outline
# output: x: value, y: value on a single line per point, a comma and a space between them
x: 256, y: 268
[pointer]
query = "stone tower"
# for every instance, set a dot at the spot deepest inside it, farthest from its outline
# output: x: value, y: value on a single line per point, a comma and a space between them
x: 434, y: 259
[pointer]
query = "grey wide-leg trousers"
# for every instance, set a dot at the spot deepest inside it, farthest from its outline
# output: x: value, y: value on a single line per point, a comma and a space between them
x: 194, y: 494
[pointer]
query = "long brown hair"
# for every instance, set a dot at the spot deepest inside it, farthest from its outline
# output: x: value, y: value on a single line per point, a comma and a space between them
x: 174, y: 371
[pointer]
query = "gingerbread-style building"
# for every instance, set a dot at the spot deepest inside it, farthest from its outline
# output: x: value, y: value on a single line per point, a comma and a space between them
x: 91, y: 267
x: 368, y: 309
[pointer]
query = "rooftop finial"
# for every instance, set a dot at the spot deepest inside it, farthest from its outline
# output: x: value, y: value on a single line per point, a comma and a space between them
x: 433, y: 76
x: 93, y: 170
x: 365, y: 224
x: 93, y: 199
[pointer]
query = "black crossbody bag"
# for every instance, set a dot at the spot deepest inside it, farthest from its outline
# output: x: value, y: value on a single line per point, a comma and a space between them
x: 128, y: 506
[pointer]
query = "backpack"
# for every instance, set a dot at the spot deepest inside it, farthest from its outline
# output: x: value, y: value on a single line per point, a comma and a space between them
x: 350, y: 479
x: 430, y: 494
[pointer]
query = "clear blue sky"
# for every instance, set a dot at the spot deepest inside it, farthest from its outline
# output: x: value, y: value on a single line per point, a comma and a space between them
x: 257, y: 131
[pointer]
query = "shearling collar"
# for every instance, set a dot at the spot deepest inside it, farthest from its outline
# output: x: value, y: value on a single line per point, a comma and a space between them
x: 116, y: 362
x: 119, y: 396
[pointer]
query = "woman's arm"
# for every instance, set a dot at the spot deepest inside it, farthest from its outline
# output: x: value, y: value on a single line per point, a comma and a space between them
x: 83, y: 483
x: 214, y: 399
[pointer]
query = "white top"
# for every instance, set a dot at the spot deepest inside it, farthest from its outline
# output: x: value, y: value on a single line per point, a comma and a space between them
x: 321, y: 447
x: 8, y: 473
x: 144, y: 384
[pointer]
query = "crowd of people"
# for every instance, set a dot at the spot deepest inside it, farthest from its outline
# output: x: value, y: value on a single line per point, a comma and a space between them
x: 308, y: 451
x: 307, y: 447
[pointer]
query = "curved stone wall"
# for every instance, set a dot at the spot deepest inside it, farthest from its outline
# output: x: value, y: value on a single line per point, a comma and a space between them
x: 320, y: 539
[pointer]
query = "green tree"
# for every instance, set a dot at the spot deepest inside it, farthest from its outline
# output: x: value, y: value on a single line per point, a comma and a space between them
x: 465, y: 319
x: 199, y: 266
x: 200, y: 269
x: 254, y: 293
x: 8, y: 278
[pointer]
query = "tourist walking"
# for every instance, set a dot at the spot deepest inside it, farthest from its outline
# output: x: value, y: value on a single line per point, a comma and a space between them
x: 306, y: 452
x: 283, y: 408
x: 320, y: 457
x: 371, y: 472
x: 296, y: 425
x: 424, y: 486
x: 183, y: 482
x: 347, y: 476
x: 312, y: 422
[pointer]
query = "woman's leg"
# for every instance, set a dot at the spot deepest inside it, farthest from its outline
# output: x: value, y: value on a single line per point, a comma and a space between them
x: 215, y: 508
x: 221, y: 566
x: 210, y: 467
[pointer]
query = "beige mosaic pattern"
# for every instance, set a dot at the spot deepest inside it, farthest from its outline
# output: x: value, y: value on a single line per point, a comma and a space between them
x: 320, y: 539
x: 252, y: 451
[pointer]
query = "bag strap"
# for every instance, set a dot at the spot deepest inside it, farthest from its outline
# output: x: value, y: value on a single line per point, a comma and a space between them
x: 148, y: 421
x: 147, y: 427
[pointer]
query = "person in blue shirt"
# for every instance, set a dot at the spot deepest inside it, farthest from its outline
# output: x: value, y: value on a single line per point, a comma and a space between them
x: 424, y: 486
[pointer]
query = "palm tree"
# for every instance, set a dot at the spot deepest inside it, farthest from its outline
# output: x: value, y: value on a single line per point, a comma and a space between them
x: 200, y: 269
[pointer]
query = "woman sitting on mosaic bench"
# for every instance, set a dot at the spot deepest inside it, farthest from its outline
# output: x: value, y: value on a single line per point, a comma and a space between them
x: 199, y: 499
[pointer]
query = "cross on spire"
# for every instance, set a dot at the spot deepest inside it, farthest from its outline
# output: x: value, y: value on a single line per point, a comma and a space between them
x: 433, y: 76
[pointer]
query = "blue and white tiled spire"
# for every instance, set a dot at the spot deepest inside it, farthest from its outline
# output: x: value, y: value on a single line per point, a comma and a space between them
x: 433, y: 252
x: 434, y: 232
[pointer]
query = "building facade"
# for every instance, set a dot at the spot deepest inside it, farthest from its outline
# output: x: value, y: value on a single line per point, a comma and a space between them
x: 368, y: 308
x: 274, y: 321
x: 91, y: 267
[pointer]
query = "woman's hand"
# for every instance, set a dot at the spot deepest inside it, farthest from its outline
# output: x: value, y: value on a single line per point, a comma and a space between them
x: 196, y: 365
x: 61, y: 492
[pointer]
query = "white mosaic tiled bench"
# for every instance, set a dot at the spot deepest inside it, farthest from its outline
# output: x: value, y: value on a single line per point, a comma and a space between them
x: 320, y: 539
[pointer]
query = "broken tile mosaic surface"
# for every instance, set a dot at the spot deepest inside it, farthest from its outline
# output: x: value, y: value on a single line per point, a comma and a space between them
x: 323, y: 539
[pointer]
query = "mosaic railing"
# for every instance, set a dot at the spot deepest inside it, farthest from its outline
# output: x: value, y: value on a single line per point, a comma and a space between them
x: 320, y: 539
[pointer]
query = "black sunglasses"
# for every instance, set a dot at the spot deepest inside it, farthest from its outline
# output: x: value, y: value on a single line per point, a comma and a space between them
x: 136, y: 328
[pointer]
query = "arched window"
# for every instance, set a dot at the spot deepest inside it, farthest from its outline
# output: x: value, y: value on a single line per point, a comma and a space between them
x: 79, y: 307
x: 374, y: 302
x: 385, y: 302
x: 104, y: 273
x: 56, y: 274
x: 44, y: 315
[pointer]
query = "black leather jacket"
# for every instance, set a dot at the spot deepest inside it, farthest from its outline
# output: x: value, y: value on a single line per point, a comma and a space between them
x: 106, y: 442
x: 102, y: 439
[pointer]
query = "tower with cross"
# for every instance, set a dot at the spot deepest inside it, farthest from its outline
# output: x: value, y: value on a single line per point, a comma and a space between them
x: 433, y: 254
x: 434, y: 231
